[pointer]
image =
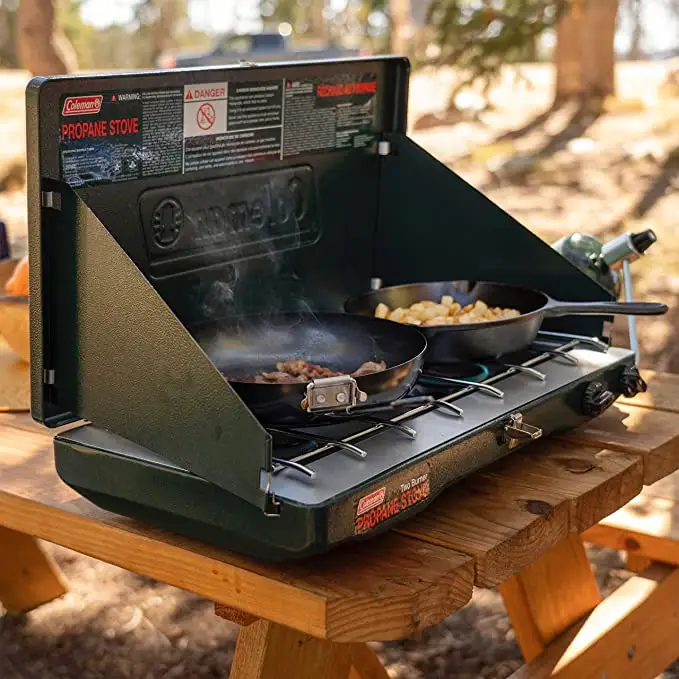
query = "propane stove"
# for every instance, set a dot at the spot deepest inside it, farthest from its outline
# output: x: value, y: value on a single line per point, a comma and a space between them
x: 163, y: 202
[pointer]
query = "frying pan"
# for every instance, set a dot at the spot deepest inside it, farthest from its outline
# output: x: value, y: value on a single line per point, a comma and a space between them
x: 492, y: 339
x: 243, y: 347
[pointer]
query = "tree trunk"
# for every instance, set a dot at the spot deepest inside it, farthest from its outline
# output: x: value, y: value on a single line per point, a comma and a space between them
x: 585, y: 51
x: 635, y: 52
x: 401, y: 26
x: 43, y: 47
x: 166, y: 16
x: 316, y: 20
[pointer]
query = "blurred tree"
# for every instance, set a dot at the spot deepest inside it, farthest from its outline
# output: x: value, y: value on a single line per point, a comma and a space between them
x: 478, y: 37
x: 402, y: 29
x: 585, y: 51
x: 157, y: 23
x: 293, y: 12
x: 352, y: 21
x: 9, y: 57
x: 634, y: 10
x: 80, y: 34
x: 43, y: 47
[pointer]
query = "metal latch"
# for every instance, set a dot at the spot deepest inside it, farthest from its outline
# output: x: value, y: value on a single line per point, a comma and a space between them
x: 517, y: 431
x: 332, y: 393
x: 50, y: 199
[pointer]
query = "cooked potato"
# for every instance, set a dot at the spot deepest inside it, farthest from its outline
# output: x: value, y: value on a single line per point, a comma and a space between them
x: 446, y: 312
x: 382, y: 311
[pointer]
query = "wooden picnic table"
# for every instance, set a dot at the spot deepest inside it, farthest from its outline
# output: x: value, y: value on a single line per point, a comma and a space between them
x: 515, y: 525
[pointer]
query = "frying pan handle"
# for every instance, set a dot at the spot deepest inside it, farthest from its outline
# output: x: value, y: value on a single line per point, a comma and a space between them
x: 557, y: 308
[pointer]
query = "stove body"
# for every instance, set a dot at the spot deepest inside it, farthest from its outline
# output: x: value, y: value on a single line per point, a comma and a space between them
x: 164, y: 201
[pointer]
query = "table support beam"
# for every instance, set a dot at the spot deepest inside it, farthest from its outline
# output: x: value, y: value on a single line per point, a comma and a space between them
x: 548, y: 596
x: 267, y: 650
x: 28, y: 576
x: 631, y: 633
x: 365, y: 664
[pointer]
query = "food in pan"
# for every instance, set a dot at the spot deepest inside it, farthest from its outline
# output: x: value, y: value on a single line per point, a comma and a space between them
x: 445, y: 312
x: 299, y: 370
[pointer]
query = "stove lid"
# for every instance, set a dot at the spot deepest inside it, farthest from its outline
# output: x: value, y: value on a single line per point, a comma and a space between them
x: 216, y: 183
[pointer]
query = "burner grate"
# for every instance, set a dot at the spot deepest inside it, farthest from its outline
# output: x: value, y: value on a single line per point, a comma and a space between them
x: 549, y: 346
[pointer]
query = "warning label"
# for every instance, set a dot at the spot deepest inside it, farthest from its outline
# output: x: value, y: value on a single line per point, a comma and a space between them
x: 101, y: 139
x: 253, y: 105
x: 327, y: 115
x: 162, y: 134
x: 246, y: 130
x: 205, y: 109
x: 108, y: 137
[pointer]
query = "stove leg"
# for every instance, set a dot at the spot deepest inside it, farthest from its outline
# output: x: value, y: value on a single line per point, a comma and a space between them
x: 28, y: 577
x: 267, y: 650
x: 548, y: 596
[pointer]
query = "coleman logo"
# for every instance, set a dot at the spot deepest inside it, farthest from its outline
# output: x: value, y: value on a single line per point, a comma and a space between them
x: 366, y: 503
x: 80, y: 106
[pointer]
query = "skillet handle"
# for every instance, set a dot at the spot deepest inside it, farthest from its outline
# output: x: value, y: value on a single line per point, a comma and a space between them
x: 556, y: 308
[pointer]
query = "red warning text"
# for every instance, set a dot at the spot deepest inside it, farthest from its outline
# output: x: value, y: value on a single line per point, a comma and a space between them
x: 198, y: 92
x: 345, y: 89
x: 99, y: 128
x: 81, y: 106
x: 406, y: 498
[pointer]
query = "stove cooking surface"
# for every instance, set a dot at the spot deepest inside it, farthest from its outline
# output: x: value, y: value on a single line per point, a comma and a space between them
x: 436, y: 430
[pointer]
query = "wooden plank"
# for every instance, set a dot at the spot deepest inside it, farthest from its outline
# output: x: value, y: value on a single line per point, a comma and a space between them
x: 550, y: 595
x: 653, y: 435
x: 507, y: 515
x: 365, y: 664
x: 266, y: 650
x: 387, y: 588
x: 647, y: 526
x: 632, y: 633
x: 636, y: 563
x: 28, y: 576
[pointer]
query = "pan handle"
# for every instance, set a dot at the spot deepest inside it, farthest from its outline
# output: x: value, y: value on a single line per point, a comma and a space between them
x: 558, y: 308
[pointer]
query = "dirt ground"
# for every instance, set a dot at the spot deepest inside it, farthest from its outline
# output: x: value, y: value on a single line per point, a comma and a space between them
x: 557, y: 172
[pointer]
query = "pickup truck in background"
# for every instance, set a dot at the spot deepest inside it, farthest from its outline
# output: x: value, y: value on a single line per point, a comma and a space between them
x: 256, y: 47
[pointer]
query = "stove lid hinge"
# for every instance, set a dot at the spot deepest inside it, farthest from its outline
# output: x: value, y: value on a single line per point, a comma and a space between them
x: 384, y: 147
x: 50, y: 200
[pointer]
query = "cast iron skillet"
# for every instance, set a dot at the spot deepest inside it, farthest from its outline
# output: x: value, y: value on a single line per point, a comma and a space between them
x: 478, y: 341
x: 244, y: 347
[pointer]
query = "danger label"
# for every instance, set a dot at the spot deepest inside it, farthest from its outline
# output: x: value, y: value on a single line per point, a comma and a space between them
x: 205, y: 92
x: 205, y: 109
x: 376, y: 508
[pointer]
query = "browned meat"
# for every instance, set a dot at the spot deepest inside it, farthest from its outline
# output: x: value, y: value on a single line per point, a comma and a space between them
x: 278, y: 377
x: 298, y: 370
x: 301, y: 368
x: 370, y: 367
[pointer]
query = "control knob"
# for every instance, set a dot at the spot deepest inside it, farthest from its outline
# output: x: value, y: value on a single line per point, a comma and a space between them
x: 596, y: 399
x: 631, y: 382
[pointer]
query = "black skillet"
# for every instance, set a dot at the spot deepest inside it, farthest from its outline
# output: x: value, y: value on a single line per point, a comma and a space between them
x: 242, y: 348
x: 488, y: 340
